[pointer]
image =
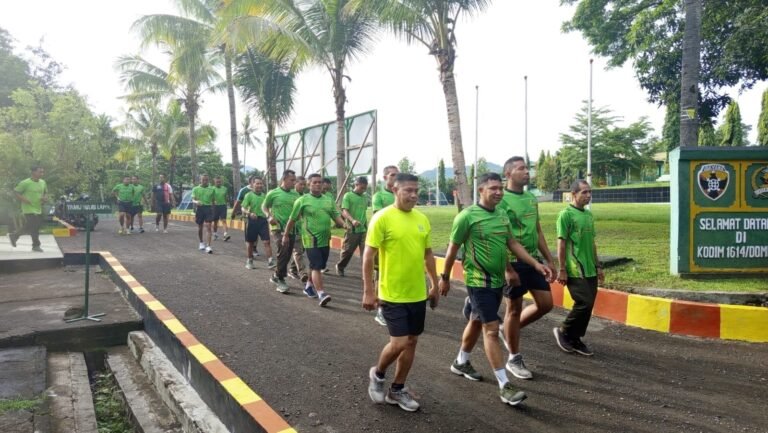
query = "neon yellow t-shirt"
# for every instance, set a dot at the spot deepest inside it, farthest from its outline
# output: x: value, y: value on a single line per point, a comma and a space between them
x: 401, y: 238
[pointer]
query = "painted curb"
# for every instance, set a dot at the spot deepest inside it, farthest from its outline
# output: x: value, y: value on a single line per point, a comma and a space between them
x: 694, y: 319
x: 66, y: 232
x: 237, y: 405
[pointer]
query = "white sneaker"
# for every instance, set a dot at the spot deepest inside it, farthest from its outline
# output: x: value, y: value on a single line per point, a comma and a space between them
x: 209, y: 250
x: 157, y: 229
x: 249, y: 264
x: 215, y: 236
x: 165, y: 231
x: 201, y: 247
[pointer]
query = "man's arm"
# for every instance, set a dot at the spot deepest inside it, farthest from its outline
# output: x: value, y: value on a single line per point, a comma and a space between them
x: 348, y: 216
x: 450, y: 258
x: 20, y: 197
x: 522, y: 254
x: 544, y: 250
x: 339, y: 222
x: 370, y: 302
x: 600, y: 274
x: 288, y: 229
x: 434, y: 291
x: 562, y: 275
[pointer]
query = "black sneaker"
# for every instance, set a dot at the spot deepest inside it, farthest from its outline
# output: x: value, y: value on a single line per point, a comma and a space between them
x: 294, y: 275
x: 37, y: 249
x: 562, y: 340
x: 339, y: 271
x: 13, y: 238
x: 581, y: 348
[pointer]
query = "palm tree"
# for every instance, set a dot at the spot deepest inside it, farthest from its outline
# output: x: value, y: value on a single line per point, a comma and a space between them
x: 247, y: 138
x: 145, y: 120
x: 329, y: 33
x: 689, y: 82
x: 432, y: 23
x: 267, y: 87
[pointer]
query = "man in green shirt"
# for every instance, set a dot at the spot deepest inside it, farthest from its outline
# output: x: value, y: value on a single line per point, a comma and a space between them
x: 316, y: 211
x: 354, y: 209
x: 220, y: 193
x: 381, y: 199
x: 297, y: 270
x: 138, y: 203
x: 580, y: 269
x: 401, y: 236
x: 203, y: 199
x: 256, y: 225
x: 485, y: 233
x: 32, y: 193
x: 123, y: 192
x: 277, y: 207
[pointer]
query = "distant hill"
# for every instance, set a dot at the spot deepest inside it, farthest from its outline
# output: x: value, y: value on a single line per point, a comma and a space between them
x: 431, y: 174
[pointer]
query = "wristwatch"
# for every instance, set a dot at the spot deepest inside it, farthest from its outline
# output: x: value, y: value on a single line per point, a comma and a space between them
x: 445, y: 277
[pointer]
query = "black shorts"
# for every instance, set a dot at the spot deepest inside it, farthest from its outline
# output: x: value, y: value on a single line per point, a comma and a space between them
x: 318, y: 257
x: 124, y: 206
x: 529, y: 280
x: 137, y: 210
x: 220, y: 212
x: 255, y: 229
x: 163, y: 208
x: 203, y: 214
x: 485, y: 303
x: 404, y: 319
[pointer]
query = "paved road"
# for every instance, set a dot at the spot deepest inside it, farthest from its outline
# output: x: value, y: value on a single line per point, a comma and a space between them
x: 311, y: 364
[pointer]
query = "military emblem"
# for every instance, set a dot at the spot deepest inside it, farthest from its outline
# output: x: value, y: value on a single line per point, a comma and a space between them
x: 760, y: 183
x: 713, y: 180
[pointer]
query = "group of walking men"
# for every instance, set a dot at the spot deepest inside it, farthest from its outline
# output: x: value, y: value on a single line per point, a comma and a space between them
x: 131, y: 199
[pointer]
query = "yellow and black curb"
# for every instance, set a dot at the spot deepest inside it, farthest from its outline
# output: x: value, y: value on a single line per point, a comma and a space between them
x: 63, y: 232
x: 231, y: 399
x: 696, y: 319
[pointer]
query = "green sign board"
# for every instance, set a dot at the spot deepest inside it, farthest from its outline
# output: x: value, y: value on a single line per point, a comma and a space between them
x: 719, y: 201
x: 91, y: 207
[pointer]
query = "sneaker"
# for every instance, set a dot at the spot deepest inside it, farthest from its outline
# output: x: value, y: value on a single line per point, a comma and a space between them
x: 562, y: 340
x: 467, y: 309
x: 465, y: 370
x: 309, y: 290
x: 226, y: 237
x: 282, y: 287
x: 256, y: 253
x: 37, y: 249
x: 215, y: 236
x: 201, y: 247
x: 324, y: 299
x: 157, y: 229
x: 121, y: 232
x: 249, y: 264
x: 274, y: 279
x: 271, y: 263
x: 581, y: 348
x: 165, y: 231
x: 127, y: 232
x: 375, y: 386
x: 339, y: 271
x: 294, y: 275
x: 209, y: 250
x: 325, y: 271
x: 304, y: 278
x: 516, y: 366
x: 511, y: 397
x: 380, y: 318
x: 402, y: 398
x: 141, y: 229
x: 13, y: 238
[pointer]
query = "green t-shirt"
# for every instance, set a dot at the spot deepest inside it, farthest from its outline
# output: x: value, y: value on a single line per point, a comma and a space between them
x: 33, y: 192
x: 203, y: 194
x: 382, y: 199
x: 330, y: 196
x: 280, y: 202
x: 317, y: 214
x: 522, y: 209
x: 577, y: 228
x: 219, y: 195
x: 124, y: 192
x: 138, y: 194
x: 401, y: 238
x: 252, y: 203
x: 484, y: 234
x: 357, y: 206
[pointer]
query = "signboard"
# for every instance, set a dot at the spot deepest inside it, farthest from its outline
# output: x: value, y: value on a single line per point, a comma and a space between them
x: 88, y: 207
x: 719, y: 211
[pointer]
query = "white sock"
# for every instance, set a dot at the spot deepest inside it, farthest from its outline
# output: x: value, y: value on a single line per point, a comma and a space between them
x: 512, y: 355
x: 320, y: 293
x: 501, y: 376
x: 463, y: 357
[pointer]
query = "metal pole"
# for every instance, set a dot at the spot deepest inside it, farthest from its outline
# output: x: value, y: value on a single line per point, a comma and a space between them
x: 437, y: 185
x: 589, y: 128
x: 86, y: 315
x: 527, y: 163
x: 477, y: 117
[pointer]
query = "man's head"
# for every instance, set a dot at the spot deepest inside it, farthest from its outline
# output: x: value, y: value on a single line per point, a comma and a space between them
x: 162, y: 178
x: 301, y: 184
x: 490, y: 190
x: 361, y: 184
x: 36, y: 172
x: 257, y: 185
x: 204, y: 180
x: 251, y: 179
x: 390, y: 172
x: 406, y: 190
x: 126, y: 180
x: 315, y: 184
x: 217, y: 180
x: 326, y: 185
x: 516, y: 172
x: 288, y: 180
x: 581, y: 193
x: 135, y: 180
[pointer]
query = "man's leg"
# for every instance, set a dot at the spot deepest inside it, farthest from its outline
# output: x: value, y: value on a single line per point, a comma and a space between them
x: 297, y: 264
x: 348, y: 247
x: 34, y: 222
x: 208, y: 231
x: 165, y: 221
x: 200, y: 231
x: 512, y: 323
x: 583, y: 294
x: 542, y: 304
x: 141, y: 220
x: 158, y: 217
x: 121, y: 219
x: 284, y: 252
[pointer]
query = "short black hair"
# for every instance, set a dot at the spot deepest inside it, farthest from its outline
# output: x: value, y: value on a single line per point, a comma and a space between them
x: 300, y: 178
x: 326, y: 180
x: 485, y: 177
x: 362, y: 180
x: 406, y: 177
x: 390, y: 167
x: 35, y: 167
x: 313, y: 175
x: 576, y: 185
x: 511, y: 161
x: 287, y: 173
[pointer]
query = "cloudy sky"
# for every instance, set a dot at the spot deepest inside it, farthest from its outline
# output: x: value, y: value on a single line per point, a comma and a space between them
x: 496, y: 50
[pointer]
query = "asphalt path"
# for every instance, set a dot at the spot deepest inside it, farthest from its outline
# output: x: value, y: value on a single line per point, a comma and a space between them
x: 311, y: 363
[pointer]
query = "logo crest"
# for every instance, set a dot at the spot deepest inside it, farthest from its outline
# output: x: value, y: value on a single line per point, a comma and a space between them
x: 713, y: 180
x: 760, y: 183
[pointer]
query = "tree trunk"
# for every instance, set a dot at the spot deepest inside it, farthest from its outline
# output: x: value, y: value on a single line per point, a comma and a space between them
x: 236, y: 181
x: 191, y: 115
x: 271, y: 156
x: 172, y: 169
x: 689, y: 81
x: 464, y: 194
x: 153, y: 150
x: 340, y: 98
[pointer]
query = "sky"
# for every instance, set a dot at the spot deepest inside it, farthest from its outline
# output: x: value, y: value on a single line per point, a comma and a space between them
x: 496, y: 49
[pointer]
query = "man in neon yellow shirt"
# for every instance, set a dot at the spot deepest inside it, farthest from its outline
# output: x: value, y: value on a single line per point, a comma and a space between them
x: 123, y: 192
x: 220, y: 193
x: 381, y: 199
x: 401, y: 236
x: 32, y: 193
x: 296, y: 269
